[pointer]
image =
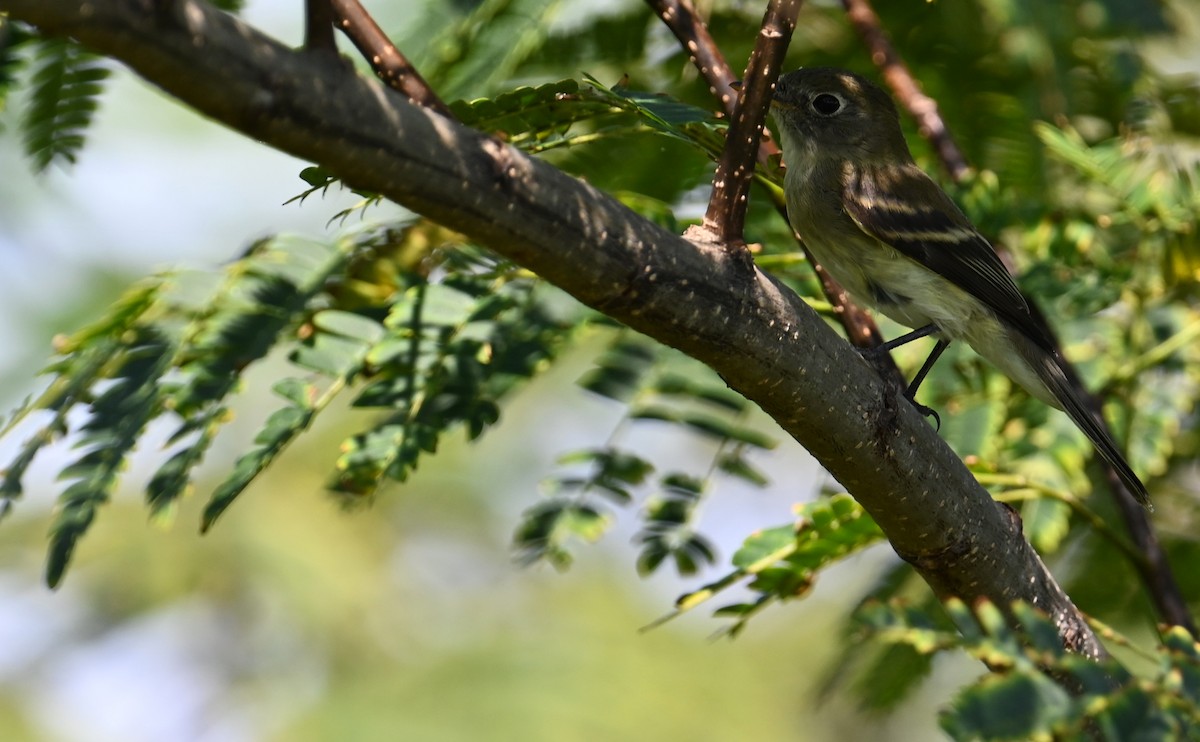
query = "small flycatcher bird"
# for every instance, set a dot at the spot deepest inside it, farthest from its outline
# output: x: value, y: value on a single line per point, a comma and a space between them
x: 896, y: 242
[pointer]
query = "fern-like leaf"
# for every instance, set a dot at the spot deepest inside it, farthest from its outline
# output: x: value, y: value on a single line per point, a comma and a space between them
x: 260, y: 302
x: 1036, y: 689
x: 118, y: 416
x: 451, y: 350
x: 782, y: 563
x: 67, y: 82
x: 13, y: 37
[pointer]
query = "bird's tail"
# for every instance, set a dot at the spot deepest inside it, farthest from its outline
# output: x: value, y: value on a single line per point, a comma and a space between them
x: 1057, y: 380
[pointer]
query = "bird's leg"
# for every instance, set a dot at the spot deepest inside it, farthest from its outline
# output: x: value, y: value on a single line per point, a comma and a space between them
x: 911, y: 393
x: 905, y: 339
x: 915, y: 384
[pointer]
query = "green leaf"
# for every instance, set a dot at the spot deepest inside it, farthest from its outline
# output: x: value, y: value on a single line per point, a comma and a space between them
x: 118, y: 416
x: 485, y: 46
x: 14, y: 38
x: 891, y: 676
x: 690, y: 388
x: 283, y: 425
x: 300, y: 393
x: 348, y: 325
x: 620, y: 372
x: 714, y: 427
x: 763, y: 544
x: 316, y: 176
x: 1046, y: 521
x: 674, y: 118
x: 444, y: 305
x: 734, y: 464
x: 67, y: 82
x: 533, y: 118
x: 545, y: 528
x: 611, y: 463
x: 1016, y: 707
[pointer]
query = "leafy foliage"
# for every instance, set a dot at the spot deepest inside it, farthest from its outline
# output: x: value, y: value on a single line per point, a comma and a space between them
x: 647, y: 380
x: 535, y: 119
x: 783, y: 562
x: 66, y: 86
x: 449, y: 353
x: 430, y: 355
x: 12, y: 37
x: 1037, y: 690
x: 479, y: 49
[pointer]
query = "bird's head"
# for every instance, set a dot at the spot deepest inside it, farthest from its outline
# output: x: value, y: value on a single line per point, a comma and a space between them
x: 829, y: 112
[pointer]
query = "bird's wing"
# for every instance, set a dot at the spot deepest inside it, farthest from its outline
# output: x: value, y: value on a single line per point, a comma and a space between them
x: 905, y: 209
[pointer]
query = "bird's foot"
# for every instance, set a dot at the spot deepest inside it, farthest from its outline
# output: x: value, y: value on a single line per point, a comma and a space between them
x: 927, y: 412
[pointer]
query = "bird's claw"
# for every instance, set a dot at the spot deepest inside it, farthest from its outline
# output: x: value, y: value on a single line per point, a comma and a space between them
x: 874, y: 352
x: 928, y: 412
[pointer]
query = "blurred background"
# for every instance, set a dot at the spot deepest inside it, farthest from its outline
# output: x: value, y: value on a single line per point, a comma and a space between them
x: 294, y: 619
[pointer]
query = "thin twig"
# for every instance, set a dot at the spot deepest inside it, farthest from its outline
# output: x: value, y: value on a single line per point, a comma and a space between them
x: 726, y: 215
x: 904, y: 86
x: 1154, y: 568
x: 1025, y: 490
x: 389, y: 64
x: 318, y: 26
x: 680, y: 16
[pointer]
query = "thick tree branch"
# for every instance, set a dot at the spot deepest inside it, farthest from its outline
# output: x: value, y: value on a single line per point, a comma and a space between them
x: 762, y: 339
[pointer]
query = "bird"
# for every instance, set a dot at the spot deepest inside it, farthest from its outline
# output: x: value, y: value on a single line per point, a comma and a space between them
x: 889, y: 234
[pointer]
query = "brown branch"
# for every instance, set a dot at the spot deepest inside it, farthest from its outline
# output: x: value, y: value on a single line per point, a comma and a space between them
x: 389, y: 64
x: 898, y: 77
x: 680, y: 16
x: 1154, y: 569
x: 726, y: 216
x: 766, y: 343
x: 318, y: 26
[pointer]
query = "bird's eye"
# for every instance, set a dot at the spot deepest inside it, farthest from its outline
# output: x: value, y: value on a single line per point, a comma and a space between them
x: 826, y: 104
